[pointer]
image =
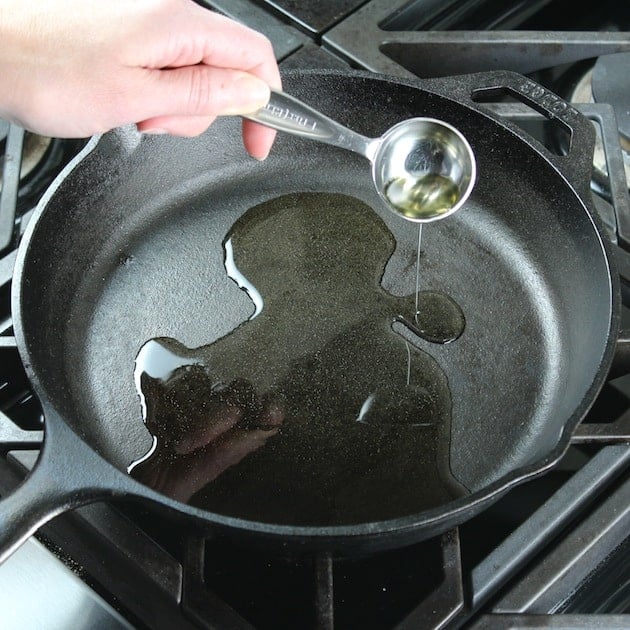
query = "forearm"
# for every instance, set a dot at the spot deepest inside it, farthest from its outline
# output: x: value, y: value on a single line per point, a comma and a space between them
x: 11, y: 56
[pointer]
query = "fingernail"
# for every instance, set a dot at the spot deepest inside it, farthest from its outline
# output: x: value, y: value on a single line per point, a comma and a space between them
x: 155, y: 132
x: 260, y: 158
x: 250, y: 94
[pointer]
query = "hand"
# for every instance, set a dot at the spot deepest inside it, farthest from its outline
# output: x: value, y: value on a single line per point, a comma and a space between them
x: 74, y: 68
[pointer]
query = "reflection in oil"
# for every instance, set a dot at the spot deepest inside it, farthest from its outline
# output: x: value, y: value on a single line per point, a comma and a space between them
x: 315, y: 411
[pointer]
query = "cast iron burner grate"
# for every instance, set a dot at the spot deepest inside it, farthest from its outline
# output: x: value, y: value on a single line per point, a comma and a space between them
x: 428, y: 38
x: 28, y: 164
x: 567, y: 525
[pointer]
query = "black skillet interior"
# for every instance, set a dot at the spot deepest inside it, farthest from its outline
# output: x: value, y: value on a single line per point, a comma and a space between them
x: 130, y: 248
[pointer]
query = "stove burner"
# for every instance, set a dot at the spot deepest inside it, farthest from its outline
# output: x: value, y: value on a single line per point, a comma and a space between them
x: 606, y: 82
x: 35, y: 148
x: 610, y: 85
x: 28, y: 164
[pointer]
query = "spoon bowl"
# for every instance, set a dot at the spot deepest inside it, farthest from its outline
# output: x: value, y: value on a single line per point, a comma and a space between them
x: 423, y: 168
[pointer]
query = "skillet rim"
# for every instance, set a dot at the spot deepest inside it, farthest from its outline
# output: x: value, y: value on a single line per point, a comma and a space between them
x: 449, y: 514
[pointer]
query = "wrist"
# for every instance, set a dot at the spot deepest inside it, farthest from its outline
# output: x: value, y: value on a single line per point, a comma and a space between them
x: 13, y: 53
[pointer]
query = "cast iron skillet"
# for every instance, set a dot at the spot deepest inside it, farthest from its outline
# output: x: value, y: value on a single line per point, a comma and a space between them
x: 117, y: 253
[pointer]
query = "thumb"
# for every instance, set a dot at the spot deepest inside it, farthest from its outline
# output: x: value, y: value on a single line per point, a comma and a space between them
x: 199, y: 91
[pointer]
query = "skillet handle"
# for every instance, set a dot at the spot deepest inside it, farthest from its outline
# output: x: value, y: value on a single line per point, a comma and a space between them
x: 67, y: 474
x: 576, y: 165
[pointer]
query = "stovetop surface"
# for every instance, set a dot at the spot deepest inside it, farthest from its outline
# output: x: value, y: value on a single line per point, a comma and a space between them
x: 554, y: 552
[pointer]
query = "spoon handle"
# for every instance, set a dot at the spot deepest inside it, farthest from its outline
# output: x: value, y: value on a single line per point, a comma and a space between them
x: 287, y: 113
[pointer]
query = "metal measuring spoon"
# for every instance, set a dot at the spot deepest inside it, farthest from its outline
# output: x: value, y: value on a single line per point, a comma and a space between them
x: 423, y: 168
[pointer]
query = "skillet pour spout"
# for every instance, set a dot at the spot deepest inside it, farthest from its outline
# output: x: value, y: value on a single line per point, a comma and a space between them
x: 102, y: 269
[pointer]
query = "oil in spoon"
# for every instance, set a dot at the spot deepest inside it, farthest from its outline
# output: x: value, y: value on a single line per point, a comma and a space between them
x: 419, y: 198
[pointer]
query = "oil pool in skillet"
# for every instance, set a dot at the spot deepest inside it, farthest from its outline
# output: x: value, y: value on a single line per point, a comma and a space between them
x: 316, y: 410
x: 438, y: 318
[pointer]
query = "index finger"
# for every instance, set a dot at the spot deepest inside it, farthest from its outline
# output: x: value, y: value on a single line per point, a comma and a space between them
x: 201, y: 36
x: 226, y: 43
x: 238, y: 47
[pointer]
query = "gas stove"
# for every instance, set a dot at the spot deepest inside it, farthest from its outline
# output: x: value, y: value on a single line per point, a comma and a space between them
x: 554, y: 552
